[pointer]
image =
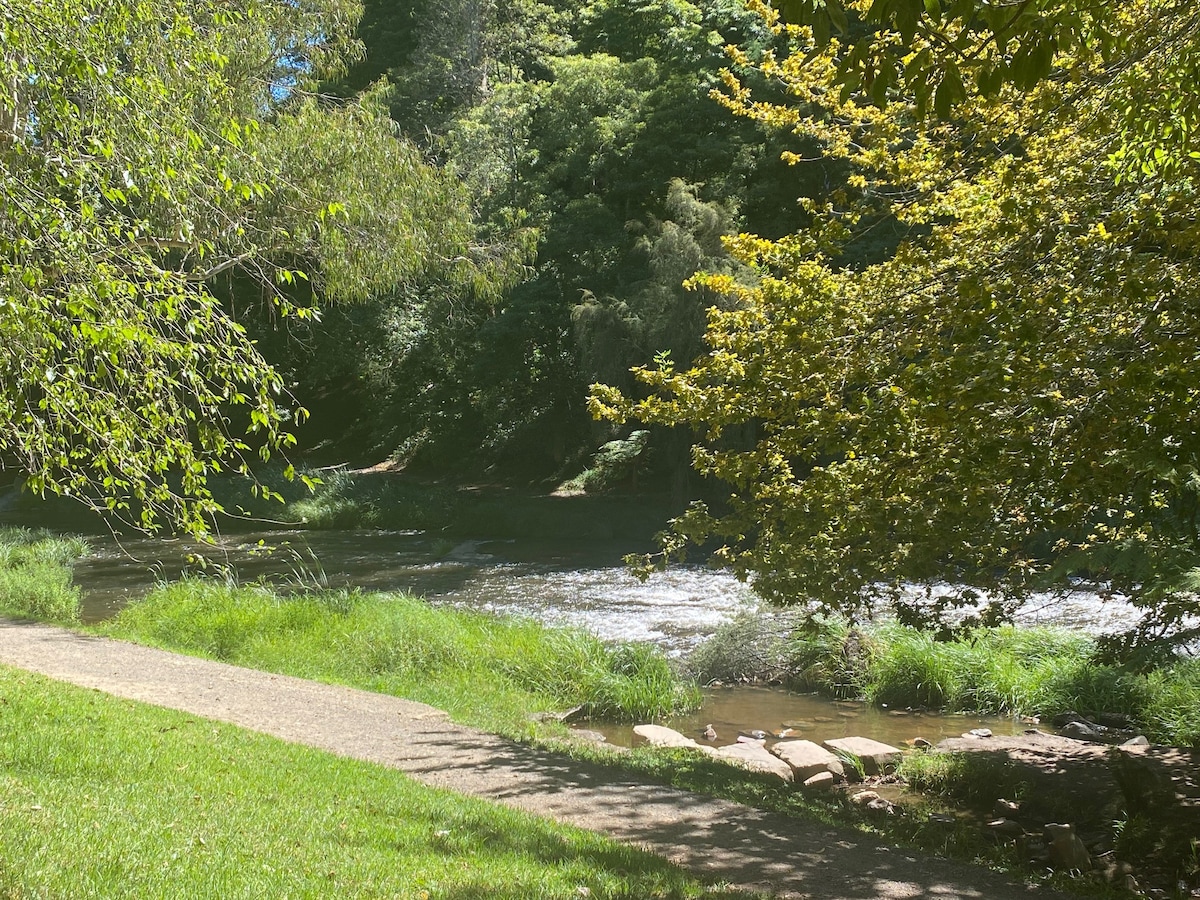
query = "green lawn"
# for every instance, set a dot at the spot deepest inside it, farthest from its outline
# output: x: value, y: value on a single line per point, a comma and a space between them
x: 107, y: 798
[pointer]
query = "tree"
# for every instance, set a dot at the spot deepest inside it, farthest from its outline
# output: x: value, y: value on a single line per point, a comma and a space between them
x: 1005, y: 398
x: 146, y: 150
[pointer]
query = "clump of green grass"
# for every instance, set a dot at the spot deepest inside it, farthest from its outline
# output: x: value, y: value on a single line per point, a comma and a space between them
x: 35, y: 575
x: 105, y: 798
x: 1000, y: 671
x: 490, y: 671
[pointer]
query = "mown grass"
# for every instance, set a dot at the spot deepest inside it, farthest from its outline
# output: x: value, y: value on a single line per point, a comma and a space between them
x: 484, y: 670
x: 35, y: 575
x: 105, y: 798
x: 1002, y: 671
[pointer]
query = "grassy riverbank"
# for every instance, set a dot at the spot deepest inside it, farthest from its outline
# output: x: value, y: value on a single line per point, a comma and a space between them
x: 1002, y: 671
x: 484, y: 670
x: 35, y: 575
x: 494, y: 674
x: 105, y: 798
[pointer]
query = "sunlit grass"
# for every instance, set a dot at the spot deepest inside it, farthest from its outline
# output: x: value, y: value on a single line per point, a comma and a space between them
x: 35, y: 575
x: 1001, y: 671
x: 105, y: 798
x: 485, y: 670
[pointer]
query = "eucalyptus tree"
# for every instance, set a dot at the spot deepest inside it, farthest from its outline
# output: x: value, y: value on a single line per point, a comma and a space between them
x: 1007, y: 397
x: 146, y: 150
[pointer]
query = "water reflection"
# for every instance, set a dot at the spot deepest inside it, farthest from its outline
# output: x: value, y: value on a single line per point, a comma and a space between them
x: 743, y: 708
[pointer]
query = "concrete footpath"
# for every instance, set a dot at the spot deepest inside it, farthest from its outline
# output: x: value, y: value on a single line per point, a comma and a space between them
x: 716, y: 839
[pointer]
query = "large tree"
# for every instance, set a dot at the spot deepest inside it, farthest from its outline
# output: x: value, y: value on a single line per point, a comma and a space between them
x: 1004, y: 396
x: 148, y: 150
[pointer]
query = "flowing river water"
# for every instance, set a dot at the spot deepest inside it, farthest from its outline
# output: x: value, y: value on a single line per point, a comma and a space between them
x: 581, y: 584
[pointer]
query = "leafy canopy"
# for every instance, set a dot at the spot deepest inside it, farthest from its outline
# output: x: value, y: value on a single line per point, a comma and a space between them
x: 1005, y: 397
x: 147, y: 150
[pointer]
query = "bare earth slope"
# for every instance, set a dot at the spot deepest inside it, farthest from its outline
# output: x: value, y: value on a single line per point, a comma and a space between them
x: 714, y: 838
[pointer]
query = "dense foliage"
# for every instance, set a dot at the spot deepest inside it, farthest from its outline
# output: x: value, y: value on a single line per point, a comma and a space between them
x: 1005, y: 398
x: 586, y: 133
x: 148, y: 151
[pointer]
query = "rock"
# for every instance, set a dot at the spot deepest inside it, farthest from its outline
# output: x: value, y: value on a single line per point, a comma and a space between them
x: 1065, y: 848
x: 1083, y: 731
x: 753, y: 741
x: 875, y: 756
x: 1006, y: 827
x: 660, y: 736
x: 807, y: 759
x: 1116, y: 871
x: 822, y: 781
x: 586, y: 734
x: 1140, y: 741
x: 565, y: 716
x: 1004, y: 808
x: 756, y: 759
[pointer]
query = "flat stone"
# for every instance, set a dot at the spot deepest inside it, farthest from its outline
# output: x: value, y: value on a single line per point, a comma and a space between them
x: 756, y: 759
x: 862, y: 798
x: 807, y: 759
x: 822, y: 781
x: 586, y: 734
x: 876, y: 757
x: 661, y: 736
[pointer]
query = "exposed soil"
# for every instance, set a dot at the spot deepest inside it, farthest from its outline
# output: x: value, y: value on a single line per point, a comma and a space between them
x: 717, y: 840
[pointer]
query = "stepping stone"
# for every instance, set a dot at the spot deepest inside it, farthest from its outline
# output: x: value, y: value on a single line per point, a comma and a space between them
x: 808, y: 759
x: 756, y: 759
x: 661, y: 736
x: 875, y: 756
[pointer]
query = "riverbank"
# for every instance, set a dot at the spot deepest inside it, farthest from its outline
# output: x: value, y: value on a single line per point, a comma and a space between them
x: 1009, y: 671
x: 293, y: 632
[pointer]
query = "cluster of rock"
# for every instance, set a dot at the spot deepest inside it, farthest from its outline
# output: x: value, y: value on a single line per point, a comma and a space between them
x: 814, y: 766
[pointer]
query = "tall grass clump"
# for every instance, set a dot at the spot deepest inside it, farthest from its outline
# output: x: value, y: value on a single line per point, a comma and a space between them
x: 781, y: 647
x: 35, y: 575
x: 1173, y: 703
x: 482, y: 668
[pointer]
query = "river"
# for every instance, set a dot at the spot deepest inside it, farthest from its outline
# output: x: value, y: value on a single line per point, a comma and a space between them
x: 576, y: 583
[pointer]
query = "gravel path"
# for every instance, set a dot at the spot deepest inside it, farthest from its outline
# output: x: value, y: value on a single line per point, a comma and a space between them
x: 715, y: 839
